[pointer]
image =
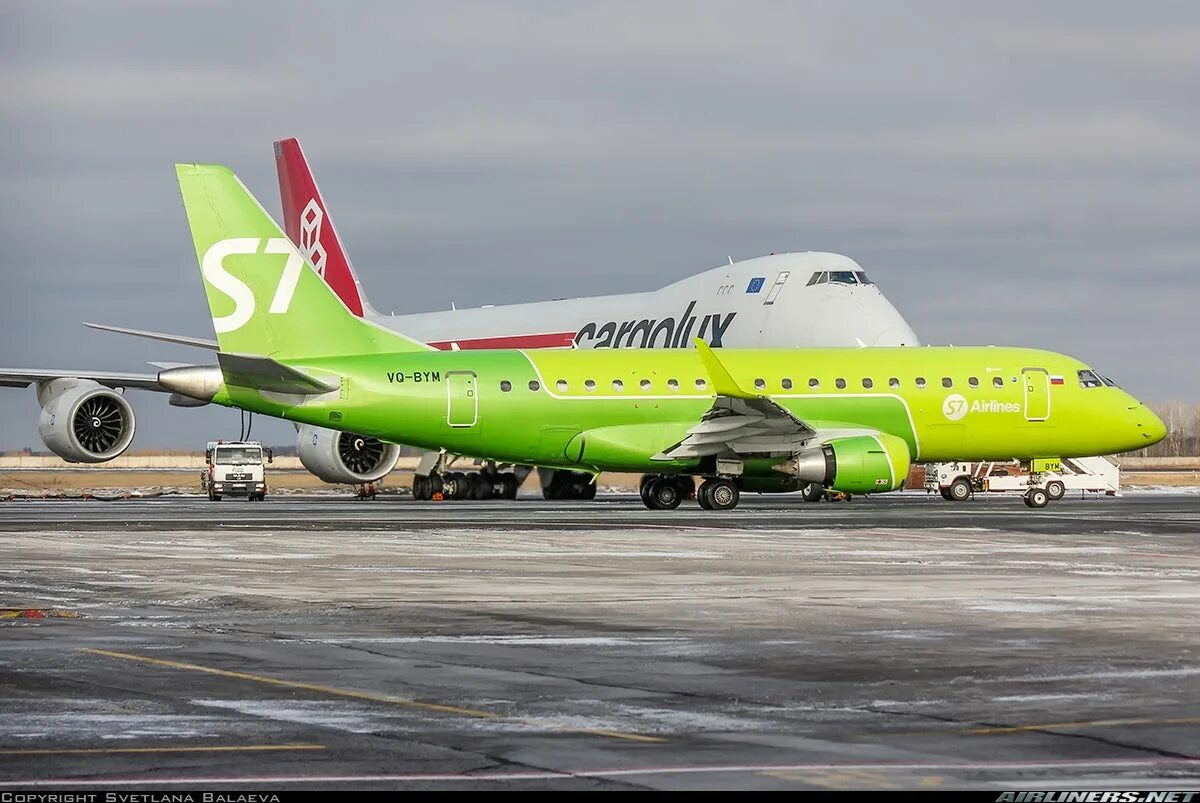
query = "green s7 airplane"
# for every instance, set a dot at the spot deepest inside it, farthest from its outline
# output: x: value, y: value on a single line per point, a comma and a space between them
x: 744, y: 419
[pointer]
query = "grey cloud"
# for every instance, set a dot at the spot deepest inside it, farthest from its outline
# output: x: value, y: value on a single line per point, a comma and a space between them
x: 1019, y: 172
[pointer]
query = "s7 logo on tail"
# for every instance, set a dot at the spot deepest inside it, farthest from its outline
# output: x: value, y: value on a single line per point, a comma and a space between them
x: 213, y: 269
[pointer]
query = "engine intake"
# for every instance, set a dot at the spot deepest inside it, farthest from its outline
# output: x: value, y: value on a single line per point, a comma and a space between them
x: 345, y: 458
x: 83, y: 421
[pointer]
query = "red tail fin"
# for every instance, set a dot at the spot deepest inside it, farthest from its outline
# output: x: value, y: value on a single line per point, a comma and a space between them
x: 309, y: 226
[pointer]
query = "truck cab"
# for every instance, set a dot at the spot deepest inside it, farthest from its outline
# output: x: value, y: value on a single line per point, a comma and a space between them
x: 235, y: 468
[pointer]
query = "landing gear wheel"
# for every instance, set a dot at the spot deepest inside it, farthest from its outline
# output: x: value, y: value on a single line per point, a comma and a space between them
x: 721, y: 495
x: 1037, y: 498
x: 812, y: 492
x: 663, y: 494
x: 509, y: 481
x: 702, y: 495
x: 1055, y: 490
x: 456, y: 485
x: 959, y: 490
x: 644, y: 487
x: 420, y: 488
x: 483, y: 487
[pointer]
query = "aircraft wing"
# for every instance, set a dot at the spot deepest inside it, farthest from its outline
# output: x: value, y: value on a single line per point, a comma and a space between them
x: 739, y: 421
x: 182, y: 340
x: 24, y: 377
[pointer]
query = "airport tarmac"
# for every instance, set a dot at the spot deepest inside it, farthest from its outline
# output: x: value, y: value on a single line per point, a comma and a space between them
x: 892, y: 642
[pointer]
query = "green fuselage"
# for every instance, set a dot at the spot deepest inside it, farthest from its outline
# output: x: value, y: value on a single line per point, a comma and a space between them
x: 617, y: 410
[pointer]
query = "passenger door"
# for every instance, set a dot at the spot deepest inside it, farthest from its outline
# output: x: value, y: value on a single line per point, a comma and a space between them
x: 1037, y: 394
x: 462, y: 403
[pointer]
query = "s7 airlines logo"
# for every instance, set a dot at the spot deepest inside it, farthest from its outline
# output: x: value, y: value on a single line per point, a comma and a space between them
x: 213, y: 269
x: 310, y: 235
x: 955, y: 407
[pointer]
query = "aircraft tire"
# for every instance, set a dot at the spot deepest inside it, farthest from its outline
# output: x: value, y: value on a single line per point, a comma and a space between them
x: 722, y: 494
x: 1037, y: 498
x: 812, y: 492
x: 588, y: 493
x: 702, y: 495
x: 642, y: 491
x: 959, y: 490
x: 509, y: 482
x: 482, y: 487
x: 1055, y: 490
x: 663, y: 494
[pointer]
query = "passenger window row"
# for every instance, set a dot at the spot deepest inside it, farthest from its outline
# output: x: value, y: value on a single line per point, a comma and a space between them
x: 618, y: 386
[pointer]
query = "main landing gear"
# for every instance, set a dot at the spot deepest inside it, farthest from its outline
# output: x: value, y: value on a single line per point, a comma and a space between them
x: 487, y: 483
x: 668, y: 492
x: 558, y: 484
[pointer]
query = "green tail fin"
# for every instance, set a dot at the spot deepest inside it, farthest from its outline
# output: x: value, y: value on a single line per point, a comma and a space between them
x: 264, y: 297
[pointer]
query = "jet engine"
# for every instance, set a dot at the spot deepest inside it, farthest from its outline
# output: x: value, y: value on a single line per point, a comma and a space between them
x: 344, y: 457
x: 859, y: 464
x: 84, y: 422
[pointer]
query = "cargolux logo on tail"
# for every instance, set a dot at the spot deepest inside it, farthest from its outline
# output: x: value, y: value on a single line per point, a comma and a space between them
x: 309, y: 225
x: 212, y: 266
x: 310, y: 236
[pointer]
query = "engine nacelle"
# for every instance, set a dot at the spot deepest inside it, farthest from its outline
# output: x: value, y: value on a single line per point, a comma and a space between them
x: 84, y: 422
x: 860, y: 464
x: 343, y: 457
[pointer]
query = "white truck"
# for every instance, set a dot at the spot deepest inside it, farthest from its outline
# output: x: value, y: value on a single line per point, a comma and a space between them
x: 1041, y: 481
x: 235, y: 468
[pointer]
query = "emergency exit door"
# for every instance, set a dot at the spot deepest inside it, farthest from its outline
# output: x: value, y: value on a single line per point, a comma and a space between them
x: 1037, y: 394
x: 462, y: 402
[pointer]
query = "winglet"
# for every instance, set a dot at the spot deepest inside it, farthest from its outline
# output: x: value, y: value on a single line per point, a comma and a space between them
x: 722, y: 382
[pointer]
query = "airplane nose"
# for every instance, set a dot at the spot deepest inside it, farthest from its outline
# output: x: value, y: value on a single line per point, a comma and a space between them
x: 1152, y: 428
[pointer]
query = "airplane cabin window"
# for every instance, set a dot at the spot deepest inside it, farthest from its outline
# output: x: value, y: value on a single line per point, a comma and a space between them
x: 920, y: 383
x: 701, y: 384
x: 841, y: 383
x: 505, y: 386
x: 786, y: 384
x: 867, y: 383
x: 998, y: 381
x: 814, y: 383
x: 861, y: 275
x: 673, y: 384
x: 893, y: 382
x: 618, y: 385
x: 535, y: 385
x: 760, y: 383
x: 645, y: 383
x: 947, y: 382
x: 561, y: 386
x: 1089, y: 379
x: 842, y: 276
x: 973, y: 381
x: 589, y: 385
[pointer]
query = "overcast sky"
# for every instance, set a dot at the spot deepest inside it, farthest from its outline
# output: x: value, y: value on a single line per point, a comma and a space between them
x: 1009, y: 173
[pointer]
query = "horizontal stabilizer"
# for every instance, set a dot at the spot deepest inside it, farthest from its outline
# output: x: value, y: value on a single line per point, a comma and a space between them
x: 263, y: 373
x: 183, y: 340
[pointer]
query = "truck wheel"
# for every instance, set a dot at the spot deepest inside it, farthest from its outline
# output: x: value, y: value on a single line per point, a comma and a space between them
x: 1037, y: 498
x: 1055, y: 490
x: 214, y: 497
x: 959, y: 490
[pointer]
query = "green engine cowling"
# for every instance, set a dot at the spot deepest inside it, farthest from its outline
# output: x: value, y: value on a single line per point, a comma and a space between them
x: 859, y: 464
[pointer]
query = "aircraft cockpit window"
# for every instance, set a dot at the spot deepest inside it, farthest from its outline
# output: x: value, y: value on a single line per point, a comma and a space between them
x: 1088, y: 379
x: 816, y: 277
x: 1109, y: 382
x: 842, y: 276
x: 861, y: 275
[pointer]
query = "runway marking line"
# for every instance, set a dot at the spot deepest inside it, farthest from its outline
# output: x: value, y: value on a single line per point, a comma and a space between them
x: 1096, y: 723
x: 402, y: 702
x: 237, y: 748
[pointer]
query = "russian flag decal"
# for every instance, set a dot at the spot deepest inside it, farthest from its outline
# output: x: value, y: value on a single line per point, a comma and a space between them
x: 1056, y: 380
